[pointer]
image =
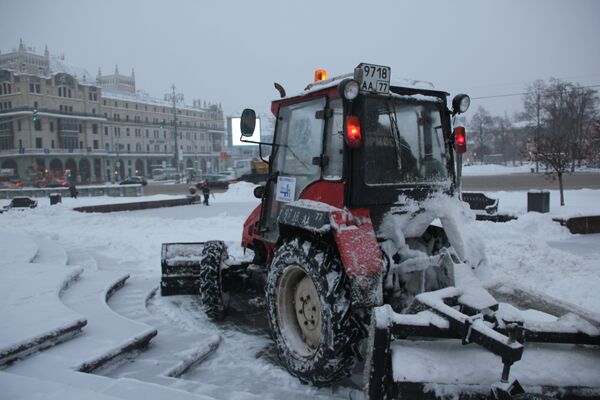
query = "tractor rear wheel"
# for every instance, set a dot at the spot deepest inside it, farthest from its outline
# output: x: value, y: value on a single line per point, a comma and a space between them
x: 314, y: 325
x: 211, y: 285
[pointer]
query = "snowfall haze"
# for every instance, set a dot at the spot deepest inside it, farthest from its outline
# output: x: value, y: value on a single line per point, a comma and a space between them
x: 231, y: 52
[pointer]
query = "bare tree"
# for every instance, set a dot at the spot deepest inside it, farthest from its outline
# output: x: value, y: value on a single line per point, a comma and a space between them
x: 564, y: 126
x: 504, y: 135
x: 533, y: 104
x: 480, y: 123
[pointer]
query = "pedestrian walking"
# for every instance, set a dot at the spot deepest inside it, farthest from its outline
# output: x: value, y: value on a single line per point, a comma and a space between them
x: 205, y: 193
x: 73, y: 191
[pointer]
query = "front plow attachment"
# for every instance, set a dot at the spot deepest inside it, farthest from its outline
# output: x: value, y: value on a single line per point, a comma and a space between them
x: 561, y: 360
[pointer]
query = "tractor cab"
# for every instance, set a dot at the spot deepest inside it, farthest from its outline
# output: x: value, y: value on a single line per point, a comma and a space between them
x: 358, y: 140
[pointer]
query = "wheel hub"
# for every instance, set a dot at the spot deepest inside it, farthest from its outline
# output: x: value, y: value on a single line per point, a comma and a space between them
x: 308, y: 311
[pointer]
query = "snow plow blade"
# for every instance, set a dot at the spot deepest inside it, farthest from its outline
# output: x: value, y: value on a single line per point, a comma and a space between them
x: 180, y: 265
x: 561, y: 360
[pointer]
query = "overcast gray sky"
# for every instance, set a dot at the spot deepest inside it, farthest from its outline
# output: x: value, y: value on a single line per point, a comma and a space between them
x: 231, y: 52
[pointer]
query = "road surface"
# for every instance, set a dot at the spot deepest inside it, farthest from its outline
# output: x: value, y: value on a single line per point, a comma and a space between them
x: 581, y: 180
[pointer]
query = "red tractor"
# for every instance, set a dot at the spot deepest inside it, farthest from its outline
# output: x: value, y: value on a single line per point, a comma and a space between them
x: 360, y: 174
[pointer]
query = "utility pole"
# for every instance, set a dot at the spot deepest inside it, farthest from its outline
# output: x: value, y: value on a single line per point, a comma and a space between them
x: 175, y: 98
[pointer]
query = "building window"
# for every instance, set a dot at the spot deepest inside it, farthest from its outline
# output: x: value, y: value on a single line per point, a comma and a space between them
x: 95, y: 144
x: 51, y: 126
x: 126, y: 105
x: 34, y: 88
x: 38, y: 125
x: 128, y: 147
x: 38, y: 142
x: 95, y: 128
x: 127, y: 131
x: 19, y: 126
x: 106, y: 131
x: 35, y: 104
x: 147, y: 148
x: 93, y: 111
x: 52, y: 143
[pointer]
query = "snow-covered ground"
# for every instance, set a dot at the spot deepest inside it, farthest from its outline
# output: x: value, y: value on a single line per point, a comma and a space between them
x: 43, y: 250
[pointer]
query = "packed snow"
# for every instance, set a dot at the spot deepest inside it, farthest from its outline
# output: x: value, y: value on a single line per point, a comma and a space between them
x: 44, y: 248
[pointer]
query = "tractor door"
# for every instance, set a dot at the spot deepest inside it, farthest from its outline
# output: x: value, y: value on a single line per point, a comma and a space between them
x: 298, y: 143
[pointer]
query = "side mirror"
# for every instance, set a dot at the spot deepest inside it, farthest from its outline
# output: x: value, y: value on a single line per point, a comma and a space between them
x: 259, y: 191
x: 248, y: 122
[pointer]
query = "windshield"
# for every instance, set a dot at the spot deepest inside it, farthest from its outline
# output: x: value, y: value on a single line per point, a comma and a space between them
x: 404, y: 142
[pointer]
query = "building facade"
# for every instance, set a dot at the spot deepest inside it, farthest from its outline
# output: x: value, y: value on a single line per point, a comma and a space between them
x: 56, y: 118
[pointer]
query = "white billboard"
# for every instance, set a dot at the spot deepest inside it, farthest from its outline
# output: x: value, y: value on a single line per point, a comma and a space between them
x: 236, y: 133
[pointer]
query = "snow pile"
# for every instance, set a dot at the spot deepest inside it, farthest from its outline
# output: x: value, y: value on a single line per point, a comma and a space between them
x: 238, y: 192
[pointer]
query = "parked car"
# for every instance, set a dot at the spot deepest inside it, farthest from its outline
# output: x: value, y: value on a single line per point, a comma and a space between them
x: 135, y: 180
x: 216, y: 181
x: 20, y: 203
x: 57, y: 183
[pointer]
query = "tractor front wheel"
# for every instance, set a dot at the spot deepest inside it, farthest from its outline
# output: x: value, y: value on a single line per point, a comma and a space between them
x: 315, y: 328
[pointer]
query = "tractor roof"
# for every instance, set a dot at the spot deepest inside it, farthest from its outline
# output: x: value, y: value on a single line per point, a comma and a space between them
x: 405, y: 87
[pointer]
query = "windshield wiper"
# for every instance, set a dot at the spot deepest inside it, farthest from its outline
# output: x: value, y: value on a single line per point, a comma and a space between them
x: 395, y: 133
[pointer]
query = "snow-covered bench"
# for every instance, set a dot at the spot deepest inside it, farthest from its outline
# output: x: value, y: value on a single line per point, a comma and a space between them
x: 480, y: 202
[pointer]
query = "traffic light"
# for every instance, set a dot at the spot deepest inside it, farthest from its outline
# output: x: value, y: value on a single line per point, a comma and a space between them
x: 162, y: 124
x: 34, y: 116
x: 68, y: 173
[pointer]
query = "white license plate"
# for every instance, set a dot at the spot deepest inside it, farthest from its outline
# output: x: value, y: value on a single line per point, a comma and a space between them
x: 375, y: 78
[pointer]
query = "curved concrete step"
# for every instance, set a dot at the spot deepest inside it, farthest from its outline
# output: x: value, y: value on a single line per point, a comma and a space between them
x: 16, y: 248
x: 49, y: 252
x: 35, y: 319
x: 106, y: 337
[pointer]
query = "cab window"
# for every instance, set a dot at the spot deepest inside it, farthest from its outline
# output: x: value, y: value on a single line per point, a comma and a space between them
x: 300, y: 139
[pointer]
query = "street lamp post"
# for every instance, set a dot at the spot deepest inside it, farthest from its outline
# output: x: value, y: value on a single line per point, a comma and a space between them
x: 175, y: 98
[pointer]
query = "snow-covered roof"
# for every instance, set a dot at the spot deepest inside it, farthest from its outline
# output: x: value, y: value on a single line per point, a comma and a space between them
x: 58, y: 65
x: 143, y: 97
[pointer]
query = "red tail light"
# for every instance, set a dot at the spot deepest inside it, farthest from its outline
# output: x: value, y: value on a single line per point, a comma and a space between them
x: 353, y: 131
x: 460, y: 139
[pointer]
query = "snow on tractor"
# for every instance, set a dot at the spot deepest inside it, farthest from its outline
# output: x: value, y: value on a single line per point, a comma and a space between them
x: 362, y: 248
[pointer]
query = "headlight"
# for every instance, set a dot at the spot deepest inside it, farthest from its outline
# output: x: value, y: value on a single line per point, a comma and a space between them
x: 349, y: 89
x: 460, y: 103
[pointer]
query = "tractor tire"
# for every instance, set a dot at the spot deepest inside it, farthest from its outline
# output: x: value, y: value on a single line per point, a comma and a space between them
x: 313, y: 323
x: 212, y: 296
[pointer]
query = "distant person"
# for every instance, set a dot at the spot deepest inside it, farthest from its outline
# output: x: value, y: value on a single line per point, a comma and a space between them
x: 73, y: 191
x: 205, y: 193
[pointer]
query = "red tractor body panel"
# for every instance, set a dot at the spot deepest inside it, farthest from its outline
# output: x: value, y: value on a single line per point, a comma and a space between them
x: 356, y: 242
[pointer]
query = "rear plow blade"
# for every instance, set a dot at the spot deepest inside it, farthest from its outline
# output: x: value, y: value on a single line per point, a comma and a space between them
x: 558, y: 358
x: 180, y: 266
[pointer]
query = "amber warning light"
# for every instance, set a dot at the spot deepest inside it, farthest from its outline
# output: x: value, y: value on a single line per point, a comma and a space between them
x: 460, y: 139
x: 353, y: 131
x: 320, y: 75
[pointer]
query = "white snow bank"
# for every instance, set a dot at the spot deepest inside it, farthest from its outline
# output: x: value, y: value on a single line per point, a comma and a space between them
x: 577, y: 202
x: 240, y: 191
